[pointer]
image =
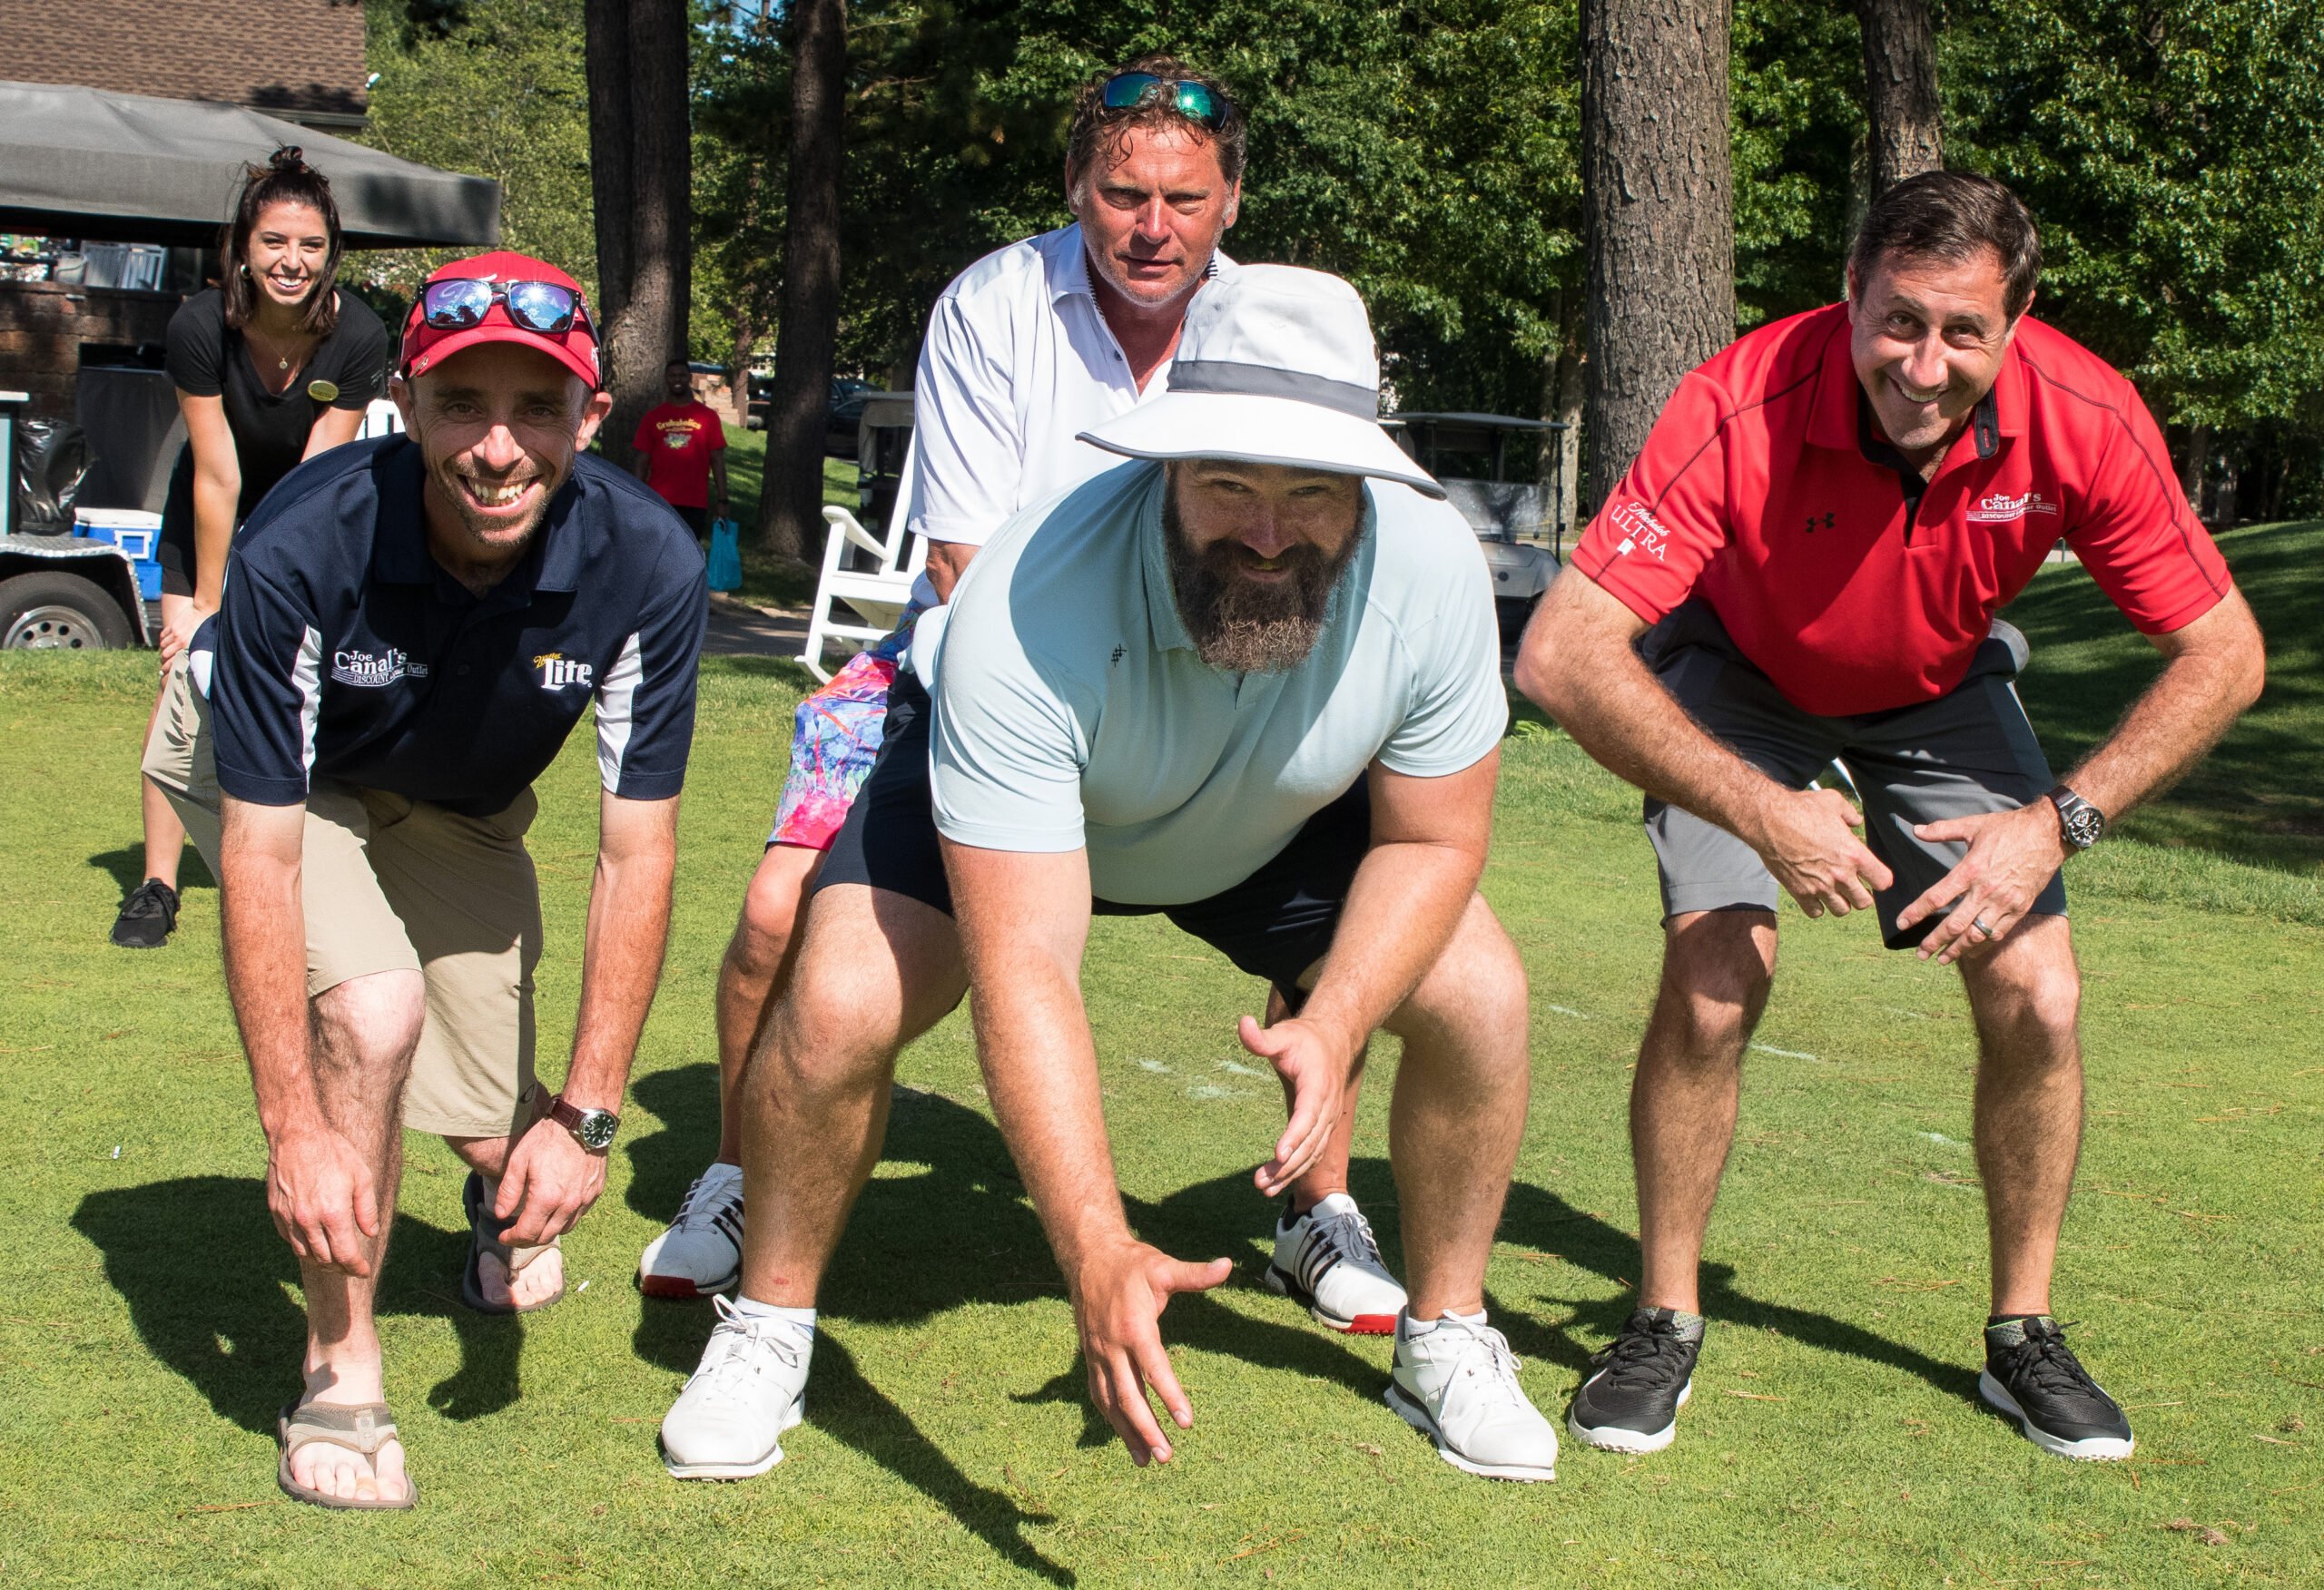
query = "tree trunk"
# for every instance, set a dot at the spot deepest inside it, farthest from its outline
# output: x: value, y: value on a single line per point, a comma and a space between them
x: 1657, y: 203
x: 1908, y: 135
x: 790, y: 506
x: 642, y: 174
x: 2190, y: 479
x: 1562, y: 405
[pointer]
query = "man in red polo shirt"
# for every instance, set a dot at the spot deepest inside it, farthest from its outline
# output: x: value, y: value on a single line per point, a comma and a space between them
x: 1802, y: 566
x: 681, y: 447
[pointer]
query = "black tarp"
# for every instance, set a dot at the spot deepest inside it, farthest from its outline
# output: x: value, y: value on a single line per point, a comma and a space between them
x: 83, y: 163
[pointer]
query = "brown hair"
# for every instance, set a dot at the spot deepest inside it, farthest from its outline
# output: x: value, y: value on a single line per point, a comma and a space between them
x: 285, y: 179
x: 1955, y: 217
x: 1101, y: 133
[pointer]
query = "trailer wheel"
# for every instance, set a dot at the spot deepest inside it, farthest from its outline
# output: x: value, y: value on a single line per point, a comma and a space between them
x: 59, y: 612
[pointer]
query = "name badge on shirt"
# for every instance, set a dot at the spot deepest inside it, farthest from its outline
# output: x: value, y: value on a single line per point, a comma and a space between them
x: 323, y: 391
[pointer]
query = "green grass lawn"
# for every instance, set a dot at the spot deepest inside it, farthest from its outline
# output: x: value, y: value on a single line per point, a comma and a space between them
x: 149, y: 1323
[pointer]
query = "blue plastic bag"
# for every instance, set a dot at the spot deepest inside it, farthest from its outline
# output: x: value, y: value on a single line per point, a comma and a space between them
x: 726, y: 557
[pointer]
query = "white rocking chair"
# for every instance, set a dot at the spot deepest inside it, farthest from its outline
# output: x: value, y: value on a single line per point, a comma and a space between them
x: 878, y: 597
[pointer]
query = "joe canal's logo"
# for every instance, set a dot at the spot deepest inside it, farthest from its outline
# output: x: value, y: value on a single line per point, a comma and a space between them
x: 2001, y: 508
x: 362, y: 668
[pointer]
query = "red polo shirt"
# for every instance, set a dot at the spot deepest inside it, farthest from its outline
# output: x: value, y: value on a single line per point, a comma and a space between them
x: 1763, y: 488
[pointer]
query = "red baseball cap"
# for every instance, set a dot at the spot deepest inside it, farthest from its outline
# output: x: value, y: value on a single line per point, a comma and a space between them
x: 426, y: 346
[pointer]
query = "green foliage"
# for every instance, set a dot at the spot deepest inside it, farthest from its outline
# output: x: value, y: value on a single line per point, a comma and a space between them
x: 2174, y: 153
x: 494, y: 88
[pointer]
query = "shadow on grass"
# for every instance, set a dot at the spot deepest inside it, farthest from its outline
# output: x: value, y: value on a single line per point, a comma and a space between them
x: 211, y: 1289
x: 127, y: 865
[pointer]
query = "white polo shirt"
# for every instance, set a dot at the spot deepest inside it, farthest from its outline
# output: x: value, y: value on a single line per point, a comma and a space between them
x: 1072, y: 711
x: 1017, y: 362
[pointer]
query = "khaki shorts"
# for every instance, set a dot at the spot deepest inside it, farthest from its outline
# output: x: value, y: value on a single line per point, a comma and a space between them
x: 394, y: 884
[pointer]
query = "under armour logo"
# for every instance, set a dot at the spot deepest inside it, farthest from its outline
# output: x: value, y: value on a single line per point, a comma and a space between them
x: 1830, y: 520
x: 1119, y: 652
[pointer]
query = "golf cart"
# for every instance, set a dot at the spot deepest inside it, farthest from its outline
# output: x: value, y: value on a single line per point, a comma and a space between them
x: 58, y: 590
x: 1471, y: 456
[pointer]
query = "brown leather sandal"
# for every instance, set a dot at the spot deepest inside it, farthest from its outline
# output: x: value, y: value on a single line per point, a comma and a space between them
x: 364, y: 1429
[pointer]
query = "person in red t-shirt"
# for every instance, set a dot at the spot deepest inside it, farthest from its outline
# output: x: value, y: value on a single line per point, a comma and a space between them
x: 681, y: 449
x: 1808, y: 555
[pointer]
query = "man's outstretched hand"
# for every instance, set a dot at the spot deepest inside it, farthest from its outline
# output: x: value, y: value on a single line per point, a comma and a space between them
x: 1315, y: 1088
x: 1807, y: 839
x: 1117, y: 1302
x: 320, y: 1191
x: 550, y: 1182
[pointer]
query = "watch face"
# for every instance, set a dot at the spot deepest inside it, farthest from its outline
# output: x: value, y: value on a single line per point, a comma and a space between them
x: 2084, y: 827
x: 596, y: 1129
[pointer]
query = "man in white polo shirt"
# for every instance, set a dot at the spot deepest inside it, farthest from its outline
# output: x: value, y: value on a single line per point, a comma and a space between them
x: 1025, y: 350
x: 1254, y: 686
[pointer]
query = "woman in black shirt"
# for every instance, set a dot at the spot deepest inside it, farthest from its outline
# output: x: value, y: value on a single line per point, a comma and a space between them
x: 271, y: 368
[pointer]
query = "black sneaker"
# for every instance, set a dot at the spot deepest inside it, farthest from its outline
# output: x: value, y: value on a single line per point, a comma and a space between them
x: 2031, y: 1375
x: 147, y: 915
x: 1644, y: 1377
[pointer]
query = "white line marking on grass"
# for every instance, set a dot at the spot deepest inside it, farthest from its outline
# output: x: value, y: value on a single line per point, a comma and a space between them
x: 1786, y: 1054
x: 1941, y: 1137
x: 1206, y: 1091
x: 1908, y: 1014
x: 1569, y: 1010
x: 1242, y: 1070
x: 1156, y: 1066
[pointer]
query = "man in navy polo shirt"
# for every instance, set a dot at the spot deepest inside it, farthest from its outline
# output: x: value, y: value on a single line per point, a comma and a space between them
x: 1811, y: 546
x: 410, y: 630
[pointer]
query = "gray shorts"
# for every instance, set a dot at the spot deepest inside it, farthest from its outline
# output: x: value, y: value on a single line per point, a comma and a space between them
x: 1970, y: 750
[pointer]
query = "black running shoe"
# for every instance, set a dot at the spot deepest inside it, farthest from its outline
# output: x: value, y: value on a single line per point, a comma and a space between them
x: 1644, y: 1377
x: 147, y: 915
x: 2031, y: 1375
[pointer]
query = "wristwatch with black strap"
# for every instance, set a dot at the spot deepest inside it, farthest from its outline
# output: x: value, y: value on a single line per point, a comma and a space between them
x: 593, y: 1129
x: 2083, y: 824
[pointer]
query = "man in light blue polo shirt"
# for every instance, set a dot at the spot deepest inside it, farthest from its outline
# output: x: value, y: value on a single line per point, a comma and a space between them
x: 1253, y: 685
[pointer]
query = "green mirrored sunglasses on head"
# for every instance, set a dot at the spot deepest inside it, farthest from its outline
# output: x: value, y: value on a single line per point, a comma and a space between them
x: 1196, y: 101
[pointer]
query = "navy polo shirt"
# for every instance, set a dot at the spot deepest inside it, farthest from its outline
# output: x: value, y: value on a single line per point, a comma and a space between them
x: 344, y: 651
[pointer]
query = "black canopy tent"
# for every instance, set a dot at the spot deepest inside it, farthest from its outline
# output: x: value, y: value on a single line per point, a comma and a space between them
x: 83, y: 163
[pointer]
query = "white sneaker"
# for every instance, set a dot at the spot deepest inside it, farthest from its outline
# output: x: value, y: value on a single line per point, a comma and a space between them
x: 1327, y: 1259
x: 750, y: 1387
x: 1457, y: 1384
x: 701, y: 1252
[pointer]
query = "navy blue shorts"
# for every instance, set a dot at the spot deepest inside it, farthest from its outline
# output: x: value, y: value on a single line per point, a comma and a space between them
x: 1274, y: 924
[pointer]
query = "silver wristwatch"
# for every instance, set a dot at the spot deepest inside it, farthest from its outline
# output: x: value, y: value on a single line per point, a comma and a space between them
x: 2084, y: 823
x: 593, y: 1129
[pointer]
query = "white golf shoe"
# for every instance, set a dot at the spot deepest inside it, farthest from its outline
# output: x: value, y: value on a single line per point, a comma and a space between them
x: 701, y: 1252
x: 1456, y: 1383
x: 1327, y: 1261
x: 750, y: 1387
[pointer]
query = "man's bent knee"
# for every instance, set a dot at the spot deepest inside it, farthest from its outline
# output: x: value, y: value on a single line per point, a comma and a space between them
x: 1717, y: 967
x: 380, y: 1012
x: 1475, y: 989
x: 2027, y: 983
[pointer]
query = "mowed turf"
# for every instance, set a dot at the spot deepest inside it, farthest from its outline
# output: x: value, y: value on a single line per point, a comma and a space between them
x: 149, y: 1323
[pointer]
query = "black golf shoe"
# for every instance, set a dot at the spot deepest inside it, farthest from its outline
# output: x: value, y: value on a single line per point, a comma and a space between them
x: 2031, y: 1375
x: 1644, y: 1377
x: 147, y: 915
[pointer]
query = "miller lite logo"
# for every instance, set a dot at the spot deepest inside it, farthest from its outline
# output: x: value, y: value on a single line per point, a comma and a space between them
x: 2001, y: 508
x: 558, y: 671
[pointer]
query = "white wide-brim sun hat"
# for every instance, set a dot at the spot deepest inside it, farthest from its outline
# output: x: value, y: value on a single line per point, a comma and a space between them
x: 1275, y: 365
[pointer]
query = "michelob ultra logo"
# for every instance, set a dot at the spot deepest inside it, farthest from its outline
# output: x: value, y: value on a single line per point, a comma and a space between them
x: 2001, y: 508
x: 558, y: 671
x: 1640, y: 531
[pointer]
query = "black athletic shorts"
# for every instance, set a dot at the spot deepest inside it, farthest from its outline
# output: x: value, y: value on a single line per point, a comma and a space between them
x: 1274, y: 924
x: 697, y: 520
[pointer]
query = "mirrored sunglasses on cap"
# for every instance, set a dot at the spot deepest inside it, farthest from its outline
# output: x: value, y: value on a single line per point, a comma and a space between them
x: 460, y: 302
x: 1197, y: 102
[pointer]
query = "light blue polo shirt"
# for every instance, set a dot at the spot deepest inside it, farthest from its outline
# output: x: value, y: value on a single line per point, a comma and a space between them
x: 1071, y: 709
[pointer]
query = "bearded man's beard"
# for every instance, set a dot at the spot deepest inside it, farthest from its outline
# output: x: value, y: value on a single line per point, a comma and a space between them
x: 1243, y: 625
